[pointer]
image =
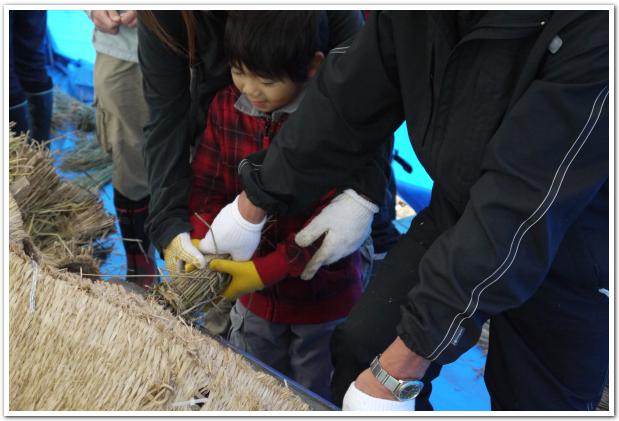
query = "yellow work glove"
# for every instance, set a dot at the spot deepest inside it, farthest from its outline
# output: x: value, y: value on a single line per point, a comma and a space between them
x: 181, y: 251
x: 188, y: 266
x: 245, y: 277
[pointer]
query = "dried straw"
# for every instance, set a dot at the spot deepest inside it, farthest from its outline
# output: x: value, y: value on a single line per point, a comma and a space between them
x: 484, y: 338
x: 87, y: 157
x: 71, y: 113
x: 95, y: 346
x: 16, y: 225
x: 76, y: 121
x: 603, y: 405
x: 187, y: 295
x: 62, y: 219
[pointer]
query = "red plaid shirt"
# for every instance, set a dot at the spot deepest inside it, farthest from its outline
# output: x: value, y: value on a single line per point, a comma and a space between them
x: 229, y: 137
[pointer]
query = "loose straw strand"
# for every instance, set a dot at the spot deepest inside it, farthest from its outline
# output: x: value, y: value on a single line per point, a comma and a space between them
x: 33, y: 286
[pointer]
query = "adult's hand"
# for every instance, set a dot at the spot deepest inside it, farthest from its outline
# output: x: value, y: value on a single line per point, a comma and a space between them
x: 130, y: 18
x: 106, y: 20
x: 346, y: 221
x: 357, y: 400
x: 233, y: 234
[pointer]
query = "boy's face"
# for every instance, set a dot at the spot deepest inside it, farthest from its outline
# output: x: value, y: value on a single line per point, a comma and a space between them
x: 266, y: 95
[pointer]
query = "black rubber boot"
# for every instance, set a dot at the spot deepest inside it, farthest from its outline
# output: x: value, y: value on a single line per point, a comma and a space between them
x: 131, y: 216
x: 41, y: 104
x: 20, y: 115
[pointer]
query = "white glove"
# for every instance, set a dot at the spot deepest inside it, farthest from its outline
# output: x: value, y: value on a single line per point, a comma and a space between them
x: 356, y: 400
x: 347, y: 220
x: 233, y: 234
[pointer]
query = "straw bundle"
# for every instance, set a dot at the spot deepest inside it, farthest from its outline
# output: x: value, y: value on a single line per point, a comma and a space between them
x: 60, y: 218
x: 87, y: 157
x: 95, y: 346
x: 77, y: 121
x: 68, y: 111
x: 188, y: 294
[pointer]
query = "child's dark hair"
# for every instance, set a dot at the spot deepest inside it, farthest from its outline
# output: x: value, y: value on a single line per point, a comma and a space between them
x: 275, y: 44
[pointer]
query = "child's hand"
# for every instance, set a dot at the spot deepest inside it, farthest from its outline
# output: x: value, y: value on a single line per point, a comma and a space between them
x: 245, y: 277
x: 188, y: 266
x: 180, y: 252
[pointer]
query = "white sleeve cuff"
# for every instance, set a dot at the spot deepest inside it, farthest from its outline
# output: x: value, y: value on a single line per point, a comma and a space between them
x: 356, y: 400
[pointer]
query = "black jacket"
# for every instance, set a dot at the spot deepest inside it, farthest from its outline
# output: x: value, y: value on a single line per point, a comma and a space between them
x: 507, y: 111
x: 178, y: 97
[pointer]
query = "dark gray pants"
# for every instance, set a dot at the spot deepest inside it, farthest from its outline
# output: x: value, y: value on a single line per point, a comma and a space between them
x: 300, y: 351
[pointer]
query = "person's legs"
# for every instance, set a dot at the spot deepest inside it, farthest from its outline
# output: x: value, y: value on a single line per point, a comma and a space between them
x: 18, y: 104
x: 120, y: 116
x: 552, y: 352
x: 28, y: 32
x: 310, y: 356
x: 371, y: 326
x: 269, y: 342
x: 216, y: 319
x: 131, y: 215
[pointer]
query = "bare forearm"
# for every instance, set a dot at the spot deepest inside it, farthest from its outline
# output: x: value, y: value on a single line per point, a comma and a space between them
x: 249, y: 211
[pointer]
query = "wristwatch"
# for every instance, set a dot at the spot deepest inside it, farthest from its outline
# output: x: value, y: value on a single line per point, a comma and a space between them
x: 403, y: 390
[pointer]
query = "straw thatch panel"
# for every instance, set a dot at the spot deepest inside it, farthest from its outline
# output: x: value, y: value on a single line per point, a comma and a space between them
x: 96, y: 346
x: 16, y: 224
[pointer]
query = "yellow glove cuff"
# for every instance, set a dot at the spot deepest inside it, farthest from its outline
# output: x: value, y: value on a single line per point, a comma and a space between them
x: 245, y: 277
x: 188, y: 266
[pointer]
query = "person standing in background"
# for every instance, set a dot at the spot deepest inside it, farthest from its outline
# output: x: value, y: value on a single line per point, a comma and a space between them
x: 120, y: 115
x: 31, y: 93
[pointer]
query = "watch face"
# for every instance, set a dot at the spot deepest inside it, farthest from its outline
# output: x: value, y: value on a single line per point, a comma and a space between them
x: 409, y: 390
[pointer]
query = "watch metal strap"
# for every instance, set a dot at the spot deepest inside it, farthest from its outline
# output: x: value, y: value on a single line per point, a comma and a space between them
x: 383, y: 377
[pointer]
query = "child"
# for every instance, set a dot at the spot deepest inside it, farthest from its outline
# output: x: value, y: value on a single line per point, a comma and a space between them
x: 286, y: 322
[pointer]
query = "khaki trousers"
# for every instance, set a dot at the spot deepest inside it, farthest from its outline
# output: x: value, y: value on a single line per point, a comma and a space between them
x: 121, y: 112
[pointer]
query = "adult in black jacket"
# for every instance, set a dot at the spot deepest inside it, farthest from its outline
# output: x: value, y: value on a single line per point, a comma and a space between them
x: 180, y: 79
x: 508, y: 113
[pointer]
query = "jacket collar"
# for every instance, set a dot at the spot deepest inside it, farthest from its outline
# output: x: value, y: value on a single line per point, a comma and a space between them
x: 244, y: 105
